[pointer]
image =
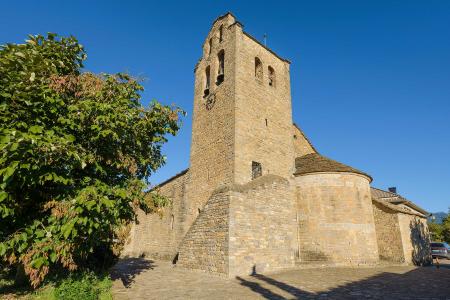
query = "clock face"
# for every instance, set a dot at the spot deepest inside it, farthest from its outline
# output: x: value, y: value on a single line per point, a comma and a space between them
x: 210, y: 101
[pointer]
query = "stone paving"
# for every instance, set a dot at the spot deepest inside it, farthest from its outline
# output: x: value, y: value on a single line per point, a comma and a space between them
x: 138, y: 278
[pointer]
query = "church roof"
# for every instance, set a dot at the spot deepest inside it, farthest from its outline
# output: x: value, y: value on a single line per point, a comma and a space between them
x: 316, y: 163
x: 393, y: 199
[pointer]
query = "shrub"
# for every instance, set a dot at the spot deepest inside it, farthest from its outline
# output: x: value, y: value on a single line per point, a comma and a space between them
x: 83, y: 285
x: 76, y: 152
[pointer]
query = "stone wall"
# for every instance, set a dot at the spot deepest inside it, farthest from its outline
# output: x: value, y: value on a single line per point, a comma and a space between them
x: 389, y: 239
x: 415, y: 239
x: 212, y: 146
x: 242, y: 229
x: 205, y: 246
x: 262, y: 227
x: 301, y: 144
x: 158, y: 235
x: 335, y: 217
x: 263, y: 113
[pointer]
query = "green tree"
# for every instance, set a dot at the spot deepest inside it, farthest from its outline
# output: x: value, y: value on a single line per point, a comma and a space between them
x: 446, y: 229
x: 77, y: 150
x: 435, y: 231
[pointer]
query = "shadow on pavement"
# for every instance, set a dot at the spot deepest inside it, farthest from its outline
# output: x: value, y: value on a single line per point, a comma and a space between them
x: 421, y: 283
x: 128, y: 268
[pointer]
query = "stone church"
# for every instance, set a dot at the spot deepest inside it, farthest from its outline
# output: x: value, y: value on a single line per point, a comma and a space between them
x: 257, y: 195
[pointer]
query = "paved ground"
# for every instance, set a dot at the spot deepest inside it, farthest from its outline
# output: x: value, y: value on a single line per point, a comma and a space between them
x: 146, y: 279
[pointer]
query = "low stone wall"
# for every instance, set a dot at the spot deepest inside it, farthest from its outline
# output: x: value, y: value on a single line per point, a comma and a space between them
x: 244, y: 229
x: 205, y: 246
x: 389, y: 238
x: 158, y: 235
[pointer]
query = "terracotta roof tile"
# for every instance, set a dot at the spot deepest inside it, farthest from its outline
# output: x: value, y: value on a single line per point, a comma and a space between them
x: 316, y: 163
x: 395, y: 199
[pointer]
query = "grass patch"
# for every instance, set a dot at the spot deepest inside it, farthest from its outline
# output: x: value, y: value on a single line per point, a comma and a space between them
x: 77, y: 286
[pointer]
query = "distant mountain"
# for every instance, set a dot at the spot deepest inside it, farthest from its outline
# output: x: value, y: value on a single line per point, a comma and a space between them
x: 438, y: 217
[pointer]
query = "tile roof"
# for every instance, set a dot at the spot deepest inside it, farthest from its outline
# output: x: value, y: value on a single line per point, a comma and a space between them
x: 316, y: 163
x: 393, y: 199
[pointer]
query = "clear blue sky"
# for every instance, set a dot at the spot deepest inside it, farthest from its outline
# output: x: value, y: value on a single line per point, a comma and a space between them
x: 370, y: 79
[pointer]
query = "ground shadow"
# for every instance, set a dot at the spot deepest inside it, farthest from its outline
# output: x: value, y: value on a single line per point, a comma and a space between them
x: 257, y: 288
x: 283, y: 286
x: 420, y: 283
x: 127, y: 269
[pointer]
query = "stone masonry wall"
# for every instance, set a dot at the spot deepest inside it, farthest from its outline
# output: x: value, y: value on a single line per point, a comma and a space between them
x: 242, y: 229
x: 415, y: 239
x: 336, y: 223
x: 389, y: 239
x: 262, y: 227
x: 301, y: 143
x: 263, y: 113
x: 212, y: 146
x: 205, y: 246
x: 158, y: 235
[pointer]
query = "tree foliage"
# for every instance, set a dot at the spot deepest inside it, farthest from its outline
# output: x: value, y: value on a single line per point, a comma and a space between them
x: 441, y: 232
x: 76, y: 152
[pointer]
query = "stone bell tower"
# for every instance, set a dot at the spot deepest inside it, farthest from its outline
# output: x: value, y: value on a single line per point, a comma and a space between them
x: 242, y: 116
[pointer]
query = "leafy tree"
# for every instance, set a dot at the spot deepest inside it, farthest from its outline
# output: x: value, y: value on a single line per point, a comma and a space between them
x: 446, y: 229
x: 435, y: 231
x: 441, y: 232
x: 77, y: 150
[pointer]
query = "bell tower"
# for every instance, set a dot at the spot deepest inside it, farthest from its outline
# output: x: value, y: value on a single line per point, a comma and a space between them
x: 212, y: 146
x: 242, y: 122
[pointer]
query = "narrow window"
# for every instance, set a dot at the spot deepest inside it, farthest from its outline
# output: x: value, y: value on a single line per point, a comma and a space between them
x: 221, y: 69
x: 267, y: 123
x: 258, y: 69
x: 271, y: 76
x: 210, y: 46
x: 207, y: 81
x: 172, y: 219
x: 256, y: 169
x: 220, y: 33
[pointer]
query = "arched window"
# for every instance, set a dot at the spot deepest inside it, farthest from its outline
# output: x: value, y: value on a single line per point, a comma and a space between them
x: 258, y: 69
x: 221, y: 69
x: 220, y: 33
x: 207, y: 81
x: 272, y: 77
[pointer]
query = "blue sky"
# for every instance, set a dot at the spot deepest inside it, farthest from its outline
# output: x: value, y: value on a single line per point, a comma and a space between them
x: 370, y: 79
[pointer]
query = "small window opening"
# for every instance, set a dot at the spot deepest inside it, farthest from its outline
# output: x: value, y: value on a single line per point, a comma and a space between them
x: 271, y: 76
x: 199, y: 210
x: 207, y: 81
x: 256, y: 169
x: 258, y: 69
x: 221, y: 69
x: 267, y: 123
x: 295, y: 137
x: 220, y: 33
x: 172, y: 219
x: 210, y: 46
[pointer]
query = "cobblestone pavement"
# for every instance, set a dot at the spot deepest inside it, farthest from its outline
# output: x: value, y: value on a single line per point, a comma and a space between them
x: 147, y: 279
